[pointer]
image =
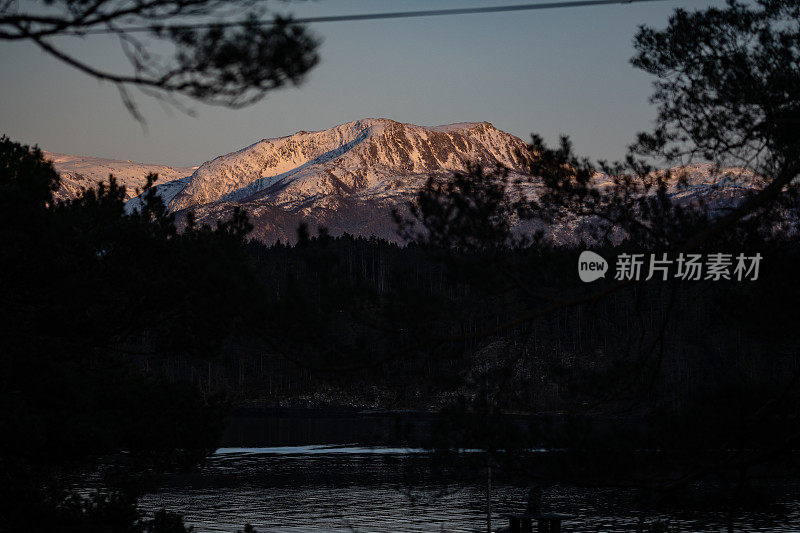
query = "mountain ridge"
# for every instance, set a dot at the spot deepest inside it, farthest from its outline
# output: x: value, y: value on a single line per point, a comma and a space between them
x: 349, y: 178
x: 354, y: 156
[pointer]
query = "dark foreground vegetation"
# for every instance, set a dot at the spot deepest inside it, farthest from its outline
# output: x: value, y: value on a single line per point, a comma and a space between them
x: 127, y: 342
x: 124, y: 341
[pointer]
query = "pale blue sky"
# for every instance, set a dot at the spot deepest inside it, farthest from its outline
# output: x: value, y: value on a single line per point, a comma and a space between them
x: 550, y: 72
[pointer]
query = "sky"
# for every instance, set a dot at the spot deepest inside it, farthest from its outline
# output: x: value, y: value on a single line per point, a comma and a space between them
x: 551, y: 72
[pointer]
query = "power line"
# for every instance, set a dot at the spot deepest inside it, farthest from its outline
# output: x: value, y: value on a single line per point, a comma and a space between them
x: 373, y: 16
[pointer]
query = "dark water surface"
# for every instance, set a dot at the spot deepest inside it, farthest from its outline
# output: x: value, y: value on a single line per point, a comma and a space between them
x: 300, y: 474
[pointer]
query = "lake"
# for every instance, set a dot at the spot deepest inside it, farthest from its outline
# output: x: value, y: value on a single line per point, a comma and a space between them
x: 276, y: 474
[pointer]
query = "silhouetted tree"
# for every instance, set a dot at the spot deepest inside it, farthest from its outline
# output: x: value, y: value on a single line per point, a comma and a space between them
x: 468, y: 211
x: 87, y: 289
x: 220, y: 52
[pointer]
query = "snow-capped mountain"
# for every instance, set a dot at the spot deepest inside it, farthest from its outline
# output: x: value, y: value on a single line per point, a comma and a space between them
x: 347, y: 178
x: 82, y: 172
x: 350, y: 177
x: 372, y: 157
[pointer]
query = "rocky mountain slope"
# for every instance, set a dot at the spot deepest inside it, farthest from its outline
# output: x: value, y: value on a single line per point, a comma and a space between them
x: 347, y: 178
x: 372, y: 157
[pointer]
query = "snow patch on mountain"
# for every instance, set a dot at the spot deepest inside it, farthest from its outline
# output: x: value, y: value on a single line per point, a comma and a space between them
x: 166, y: 191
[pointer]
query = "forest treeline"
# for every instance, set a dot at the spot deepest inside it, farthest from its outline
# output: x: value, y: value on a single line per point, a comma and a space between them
x: 364, y: 322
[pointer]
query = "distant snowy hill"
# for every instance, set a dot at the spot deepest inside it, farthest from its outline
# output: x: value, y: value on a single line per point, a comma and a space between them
x: 81, y: 172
